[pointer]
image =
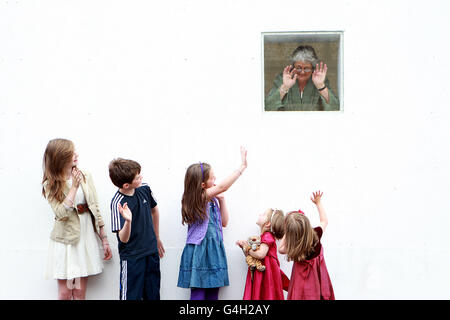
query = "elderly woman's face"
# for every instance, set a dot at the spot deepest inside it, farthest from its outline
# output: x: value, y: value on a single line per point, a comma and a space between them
x: 303, y: 70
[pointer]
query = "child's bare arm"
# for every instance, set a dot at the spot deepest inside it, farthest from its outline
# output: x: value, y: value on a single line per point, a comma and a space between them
x: 261, y: 252
x: 282, y: 246
x: 223, y: 209
x: 243, y: 244
x: 316, y: 198
x: 225, y: 184
x: 125, y: 232
x: 155, y: 218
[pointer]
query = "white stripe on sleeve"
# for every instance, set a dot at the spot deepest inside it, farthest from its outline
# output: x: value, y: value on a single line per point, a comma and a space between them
x: 115, y: 214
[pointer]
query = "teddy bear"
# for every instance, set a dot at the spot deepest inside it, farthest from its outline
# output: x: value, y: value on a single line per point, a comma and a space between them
x: 253, y: 243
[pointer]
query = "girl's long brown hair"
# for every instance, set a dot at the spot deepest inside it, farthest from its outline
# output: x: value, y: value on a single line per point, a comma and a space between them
x: 300, y: 237
x: 57, y: 156
x: 194, y: 200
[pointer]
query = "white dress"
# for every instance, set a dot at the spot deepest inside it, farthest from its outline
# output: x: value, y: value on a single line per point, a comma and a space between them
x: 82, y: 259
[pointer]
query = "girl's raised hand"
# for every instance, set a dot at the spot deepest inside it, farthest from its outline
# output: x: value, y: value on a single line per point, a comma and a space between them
x: 227, y: 182
x: 316, y: 197
x: 244, y: 157
x: 125, y: 211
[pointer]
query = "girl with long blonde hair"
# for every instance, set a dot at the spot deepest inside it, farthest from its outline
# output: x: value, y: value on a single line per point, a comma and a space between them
x: 267, y: 284
x: 74, y: 250
x: 301, y: 244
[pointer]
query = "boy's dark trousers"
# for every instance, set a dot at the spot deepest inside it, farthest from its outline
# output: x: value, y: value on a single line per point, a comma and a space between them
x: 140, y: 279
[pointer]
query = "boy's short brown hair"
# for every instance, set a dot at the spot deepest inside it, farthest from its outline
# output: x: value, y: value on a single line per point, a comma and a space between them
x: 123, y: 171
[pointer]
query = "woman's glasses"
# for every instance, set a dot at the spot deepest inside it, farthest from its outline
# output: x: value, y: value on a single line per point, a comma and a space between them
x: 299, y: 69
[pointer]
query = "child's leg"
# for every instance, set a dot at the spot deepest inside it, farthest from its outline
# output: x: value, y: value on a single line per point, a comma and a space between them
x: 64, y: 293
x: 152, y: 278
x: 79, y: 291
x: 132, y: 276
x: 212, y: 294
x: 198, y: 293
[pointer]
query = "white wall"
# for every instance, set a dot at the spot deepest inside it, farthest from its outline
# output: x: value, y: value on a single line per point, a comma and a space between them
x: 180, y: 82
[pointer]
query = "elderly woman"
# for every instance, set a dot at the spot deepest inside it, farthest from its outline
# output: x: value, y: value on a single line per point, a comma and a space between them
x: 303, y: 86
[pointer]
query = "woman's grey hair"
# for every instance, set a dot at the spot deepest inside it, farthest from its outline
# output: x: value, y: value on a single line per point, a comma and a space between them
x: 305, y: 54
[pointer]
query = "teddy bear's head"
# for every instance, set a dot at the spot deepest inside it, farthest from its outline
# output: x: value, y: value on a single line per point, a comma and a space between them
x: 254, y: 242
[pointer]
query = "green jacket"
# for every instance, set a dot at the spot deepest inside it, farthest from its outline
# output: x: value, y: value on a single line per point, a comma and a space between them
x: 292, y: 101
x: 66, y: 228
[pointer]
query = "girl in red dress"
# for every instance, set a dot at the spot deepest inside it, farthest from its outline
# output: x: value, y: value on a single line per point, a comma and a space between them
x: 268, y: 284
x: 301, y: 244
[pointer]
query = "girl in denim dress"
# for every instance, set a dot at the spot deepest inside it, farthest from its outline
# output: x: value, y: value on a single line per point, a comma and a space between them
x: 203, y: 266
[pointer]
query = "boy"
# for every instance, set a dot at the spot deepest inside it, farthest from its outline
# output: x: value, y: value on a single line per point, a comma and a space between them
x: 135, y: 220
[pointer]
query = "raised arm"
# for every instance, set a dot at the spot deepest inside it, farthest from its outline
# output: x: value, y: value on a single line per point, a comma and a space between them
x: 316, y: 198
x: 228, y: 181
x: 330, y: 101
x: 281, y: 86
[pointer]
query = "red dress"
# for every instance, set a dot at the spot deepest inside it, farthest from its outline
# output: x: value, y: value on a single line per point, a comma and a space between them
x: 309, y: 278
x: 268, y: 284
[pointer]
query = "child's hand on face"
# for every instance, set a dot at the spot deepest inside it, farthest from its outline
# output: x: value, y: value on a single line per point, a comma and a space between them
x: 76, y: 177
x: 125, y: 211
x: 316, y: 197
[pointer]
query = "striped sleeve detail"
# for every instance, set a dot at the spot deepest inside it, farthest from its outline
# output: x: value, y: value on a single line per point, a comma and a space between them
x: 115, y: 214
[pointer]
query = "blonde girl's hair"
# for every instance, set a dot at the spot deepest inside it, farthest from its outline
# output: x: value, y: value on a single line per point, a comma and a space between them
x: 194, y: 200
x: 276, y: 219
x: 300, y: 237
x: 57, y: 156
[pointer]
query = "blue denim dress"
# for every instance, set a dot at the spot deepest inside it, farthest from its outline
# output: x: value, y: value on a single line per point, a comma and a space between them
x: 205, y: 265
